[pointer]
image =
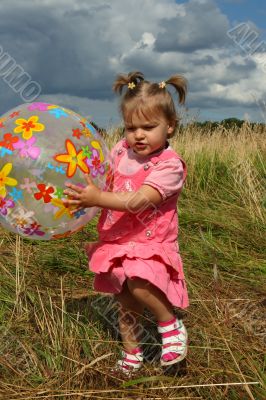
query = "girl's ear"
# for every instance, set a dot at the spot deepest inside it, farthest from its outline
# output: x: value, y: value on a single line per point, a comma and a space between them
x: 170, y: 129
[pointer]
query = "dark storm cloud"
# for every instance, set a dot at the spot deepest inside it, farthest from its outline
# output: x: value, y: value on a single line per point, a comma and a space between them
x: 63, y: 51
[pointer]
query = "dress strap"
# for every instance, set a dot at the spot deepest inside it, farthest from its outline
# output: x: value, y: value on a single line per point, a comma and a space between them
x: 122, y: 146
x: 125, y: 144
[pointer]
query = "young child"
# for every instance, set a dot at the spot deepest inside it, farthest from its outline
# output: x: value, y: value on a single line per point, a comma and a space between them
x: 137, y: 258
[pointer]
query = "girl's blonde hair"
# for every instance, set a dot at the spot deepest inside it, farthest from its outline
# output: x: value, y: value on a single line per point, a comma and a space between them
x: 144, y: 99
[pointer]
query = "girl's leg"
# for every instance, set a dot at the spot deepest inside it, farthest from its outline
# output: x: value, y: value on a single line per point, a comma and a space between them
x: 130, y: 309
x: 173, y: 332
x: 151, y: 297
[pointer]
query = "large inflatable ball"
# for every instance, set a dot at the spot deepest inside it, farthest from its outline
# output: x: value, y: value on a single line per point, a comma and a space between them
x: 42, y: 147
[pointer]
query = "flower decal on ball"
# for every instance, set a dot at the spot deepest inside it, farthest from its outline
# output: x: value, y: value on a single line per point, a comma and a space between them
x: 5, y: 204
x: 27, y: 127
x: 73, y: 158
x: 95, y: 164
x: 5, y: 179
x: 9, y: 141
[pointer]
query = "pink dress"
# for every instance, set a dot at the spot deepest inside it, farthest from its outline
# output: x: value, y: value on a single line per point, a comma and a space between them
x: 142, y: 244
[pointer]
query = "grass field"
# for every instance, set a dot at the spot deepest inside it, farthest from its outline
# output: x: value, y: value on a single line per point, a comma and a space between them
x: 58, y: 338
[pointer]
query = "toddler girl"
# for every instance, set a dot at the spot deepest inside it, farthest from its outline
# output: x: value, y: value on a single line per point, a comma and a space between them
x: 137, y: 258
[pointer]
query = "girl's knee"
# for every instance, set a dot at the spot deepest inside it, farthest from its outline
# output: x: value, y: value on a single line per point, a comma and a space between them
x: 137, y: 285
x: 127, y: 302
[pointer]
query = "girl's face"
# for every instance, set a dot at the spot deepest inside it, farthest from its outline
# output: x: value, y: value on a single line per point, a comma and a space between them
x: 147, y: 137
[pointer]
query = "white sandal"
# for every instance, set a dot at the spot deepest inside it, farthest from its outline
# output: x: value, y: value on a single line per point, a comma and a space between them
x: 130, y: 362
x: 175, y: 343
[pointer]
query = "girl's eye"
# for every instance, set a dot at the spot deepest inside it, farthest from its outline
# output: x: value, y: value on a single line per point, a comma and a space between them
x: 149, y: 128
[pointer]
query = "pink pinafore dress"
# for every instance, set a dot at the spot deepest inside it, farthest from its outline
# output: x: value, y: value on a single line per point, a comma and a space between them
x: 142, y: 244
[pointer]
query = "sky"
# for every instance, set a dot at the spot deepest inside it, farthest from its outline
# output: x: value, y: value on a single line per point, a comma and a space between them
x: 70, y: 52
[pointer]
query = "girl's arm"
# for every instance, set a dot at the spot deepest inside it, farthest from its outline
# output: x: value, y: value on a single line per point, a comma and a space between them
x: 91, y: 196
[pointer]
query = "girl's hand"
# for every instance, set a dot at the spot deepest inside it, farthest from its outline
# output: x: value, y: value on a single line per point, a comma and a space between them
x: 82, y: 197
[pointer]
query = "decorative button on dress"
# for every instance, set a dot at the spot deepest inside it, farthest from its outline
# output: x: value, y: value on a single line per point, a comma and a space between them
x: 142, y: 244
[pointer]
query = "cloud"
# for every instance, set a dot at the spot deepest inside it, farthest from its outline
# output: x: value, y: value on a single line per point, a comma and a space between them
x: 75, y: 48
x: 103, y: 111
x: 202, y: 26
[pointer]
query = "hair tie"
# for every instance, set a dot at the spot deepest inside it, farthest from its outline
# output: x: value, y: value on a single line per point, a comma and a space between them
x: 162, y: 85
x: 131, y: 85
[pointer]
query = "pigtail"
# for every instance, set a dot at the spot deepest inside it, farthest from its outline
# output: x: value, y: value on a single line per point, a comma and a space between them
x: 180, y: 85
x: 131, y: 79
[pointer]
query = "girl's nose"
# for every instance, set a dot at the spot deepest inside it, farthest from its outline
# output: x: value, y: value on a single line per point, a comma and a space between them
x: 139, y: 133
